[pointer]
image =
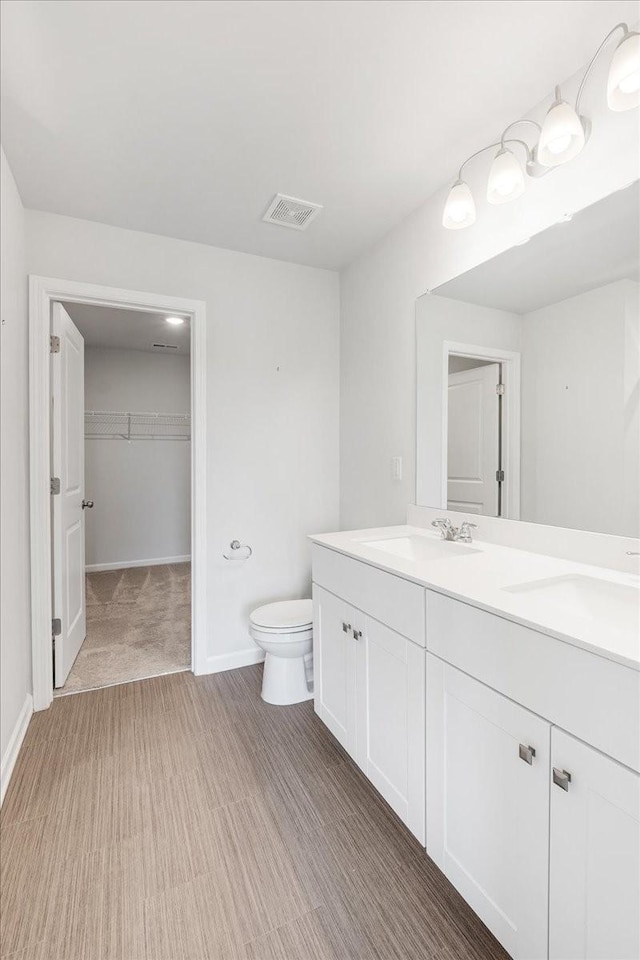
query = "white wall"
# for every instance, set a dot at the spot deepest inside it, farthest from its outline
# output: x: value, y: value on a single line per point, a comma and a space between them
x: 272, y: 399
x: 141, y: 489
x: 15, y: 613
x: 378, y: 293
x: 580, y: 443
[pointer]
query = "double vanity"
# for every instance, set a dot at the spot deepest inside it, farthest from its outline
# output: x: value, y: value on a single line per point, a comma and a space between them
x: 492, y: 696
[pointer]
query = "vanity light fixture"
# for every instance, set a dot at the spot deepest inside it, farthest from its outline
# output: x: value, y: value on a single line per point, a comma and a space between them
x: 623, y: 86
x: 175, y: 321
x: 561, y: 137
x: 506, y: 177
x: 563, y: 133
x: 460, y: 210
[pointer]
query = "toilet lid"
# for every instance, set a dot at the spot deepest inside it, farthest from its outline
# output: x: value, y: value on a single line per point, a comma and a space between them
x: 285, y: 614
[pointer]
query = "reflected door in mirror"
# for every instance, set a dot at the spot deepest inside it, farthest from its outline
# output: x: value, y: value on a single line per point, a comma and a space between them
x: 473, y: 439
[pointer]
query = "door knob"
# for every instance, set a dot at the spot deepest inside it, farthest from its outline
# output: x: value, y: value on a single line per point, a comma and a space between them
x: 87, y: 503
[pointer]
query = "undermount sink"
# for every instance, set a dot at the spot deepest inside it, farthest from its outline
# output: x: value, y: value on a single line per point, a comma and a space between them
x: 616, y: 604
x: 421, y: 548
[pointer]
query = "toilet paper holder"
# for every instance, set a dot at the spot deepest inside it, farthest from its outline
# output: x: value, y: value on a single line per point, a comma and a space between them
x: 237, y: 546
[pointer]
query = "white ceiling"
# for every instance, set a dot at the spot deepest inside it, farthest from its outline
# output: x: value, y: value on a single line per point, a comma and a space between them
x: 185, y: 117
x: 599, y: 245
x: 127, y: 329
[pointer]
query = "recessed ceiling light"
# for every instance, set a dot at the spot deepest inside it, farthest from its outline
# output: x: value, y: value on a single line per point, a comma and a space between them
x: 176, y: 321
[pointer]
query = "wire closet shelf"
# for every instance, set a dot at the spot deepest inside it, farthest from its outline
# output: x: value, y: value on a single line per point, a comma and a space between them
x: 109, y: 425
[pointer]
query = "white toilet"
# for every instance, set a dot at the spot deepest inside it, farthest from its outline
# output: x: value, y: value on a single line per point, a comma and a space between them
x: 284, y: 630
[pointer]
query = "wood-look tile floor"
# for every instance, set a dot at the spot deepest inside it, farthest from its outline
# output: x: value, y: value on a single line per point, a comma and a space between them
x: 182, y: 818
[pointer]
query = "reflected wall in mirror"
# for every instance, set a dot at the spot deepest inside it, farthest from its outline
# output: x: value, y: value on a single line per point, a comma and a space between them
x: 528, y: 380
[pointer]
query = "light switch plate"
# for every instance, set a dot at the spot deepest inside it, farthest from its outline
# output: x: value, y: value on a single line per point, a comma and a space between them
x: 396, y: 468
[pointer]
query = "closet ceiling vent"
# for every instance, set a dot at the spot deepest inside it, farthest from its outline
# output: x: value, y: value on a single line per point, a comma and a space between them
x: 291, y: 212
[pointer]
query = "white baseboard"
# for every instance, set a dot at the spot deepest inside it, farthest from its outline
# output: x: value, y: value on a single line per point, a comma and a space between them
x: 126, y: 564
x: 13, y: 747
x: 231, y: 661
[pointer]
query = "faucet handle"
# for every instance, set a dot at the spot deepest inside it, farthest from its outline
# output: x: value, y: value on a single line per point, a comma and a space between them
x: 444, y: 525
x: 465, y: 530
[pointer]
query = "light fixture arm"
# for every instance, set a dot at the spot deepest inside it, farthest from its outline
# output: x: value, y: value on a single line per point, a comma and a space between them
x: 626, y: 33
x: 514, y: 124
x: 490, y: 146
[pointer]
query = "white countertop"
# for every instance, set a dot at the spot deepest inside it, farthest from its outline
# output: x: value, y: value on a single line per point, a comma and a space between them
x: 481, y: 578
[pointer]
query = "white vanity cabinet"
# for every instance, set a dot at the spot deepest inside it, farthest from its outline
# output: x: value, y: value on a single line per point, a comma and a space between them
x: 513, y: 755
x: 594, y: 855
x: 370, y: 678
x: 544, y: 846
x: 487, y: 805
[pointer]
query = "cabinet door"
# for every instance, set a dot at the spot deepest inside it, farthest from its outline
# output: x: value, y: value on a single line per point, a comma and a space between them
x: 334, y: 666
x: 390, y: 718
x: 487, y: 807
x: 595, y: 856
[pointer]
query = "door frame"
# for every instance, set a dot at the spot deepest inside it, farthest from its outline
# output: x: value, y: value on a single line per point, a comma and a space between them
x: 510, y: 361
x: 42, y: 292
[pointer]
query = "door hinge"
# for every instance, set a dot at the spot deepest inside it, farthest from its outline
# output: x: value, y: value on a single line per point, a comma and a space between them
x: 500, y: 389
x: 56, y: 627
x: 55, y: 485
x: 54, y: 344
x: 500, y: 476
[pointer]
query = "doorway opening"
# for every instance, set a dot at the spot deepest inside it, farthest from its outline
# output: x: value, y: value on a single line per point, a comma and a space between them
x: 120, y: 510
x: 481, y: 431
x: 145, y: 459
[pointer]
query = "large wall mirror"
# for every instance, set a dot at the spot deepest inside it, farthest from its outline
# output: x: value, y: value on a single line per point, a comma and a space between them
x: 528, y: 378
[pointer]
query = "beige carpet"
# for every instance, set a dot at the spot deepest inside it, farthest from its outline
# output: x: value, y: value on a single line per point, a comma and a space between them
x: 138, y: 625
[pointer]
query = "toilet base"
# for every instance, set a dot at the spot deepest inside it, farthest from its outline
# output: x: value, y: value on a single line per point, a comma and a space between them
x: 284, y: 680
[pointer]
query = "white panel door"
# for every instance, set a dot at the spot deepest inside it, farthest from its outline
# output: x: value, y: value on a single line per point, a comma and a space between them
x: 473, y: 440
x: 595, y: 855
x: 390, y: 725
x: 67, y: 435
x: 488, y: 805
x: 334, y: 666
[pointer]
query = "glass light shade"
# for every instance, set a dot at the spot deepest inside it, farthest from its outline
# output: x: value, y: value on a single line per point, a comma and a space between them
x: 623, y: 85
x: 562, y: 136
x: 459, y: 210
x: 506, y: 179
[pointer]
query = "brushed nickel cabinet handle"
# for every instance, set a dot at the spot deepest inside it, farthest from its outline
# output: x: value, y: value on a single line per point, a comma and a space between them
x: 356, y: 634
x: 526, y: 753
x: 346, y: 627
x: 561, y: 778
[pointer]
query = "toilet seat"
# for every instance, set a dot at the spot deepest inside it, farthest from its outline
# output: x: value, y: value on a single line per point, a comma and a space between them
x: 283, y: 632
x: 287, y: 616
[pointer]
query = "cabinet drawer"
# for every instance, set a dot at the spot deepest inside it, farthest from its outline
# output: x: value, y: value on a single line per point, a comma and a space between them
x: 591, y: 697
x: 393, y: 601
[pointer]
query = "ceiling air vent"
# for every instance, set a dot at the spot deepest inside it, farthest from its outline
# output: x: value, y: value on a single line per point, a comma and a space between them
x: 291, y: 212
x: 164, y: 346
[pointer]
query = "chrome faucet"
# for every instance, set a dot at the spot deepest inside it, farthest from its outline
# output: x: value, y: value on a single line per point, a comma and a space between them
x: 448, y: 532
